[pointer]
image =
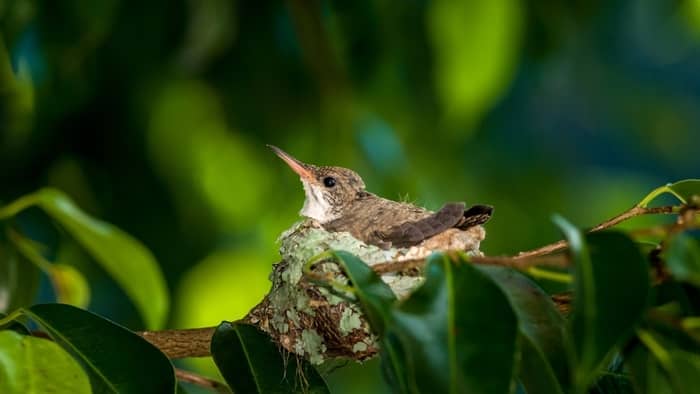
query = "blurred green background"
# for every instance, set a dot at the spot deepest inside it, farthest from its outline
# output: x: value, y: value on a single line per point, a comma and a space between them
x: 154, y: 116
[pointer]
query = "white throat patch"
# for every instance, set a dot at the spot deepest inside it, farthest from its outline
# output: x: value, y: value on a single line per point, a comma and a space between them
x: 315, y: 206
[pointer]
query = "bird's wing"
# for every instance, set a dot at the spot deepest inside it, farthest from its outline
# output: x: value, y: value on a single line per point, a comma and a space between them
x: 413, y: 232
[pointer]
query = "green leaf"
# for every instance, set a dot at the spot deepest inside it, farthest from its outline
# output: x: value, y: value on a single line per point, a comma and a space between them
x: 251, y: 363
x: 604, y: 315
x: 683, y: 258
x: 685, y: 370
x: 69, y: 284
x: 685, y: 190
x: 646, y: 373
x: 36, y: 365
x: 19, y: 280
x: 374, y: 295
x: 126, y: 259
x: 536, y: 373
x: 376, y: 299
x: 457, y: 332
x: 116, y: 359
x: 538, y: 320
x: 682, y: 368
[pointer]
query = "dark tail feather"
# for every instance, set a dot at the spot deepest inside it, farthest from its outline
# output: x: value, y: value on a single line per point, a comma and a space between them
x: 450, y: 215
x: 474, y: 216
x: 412, y: 233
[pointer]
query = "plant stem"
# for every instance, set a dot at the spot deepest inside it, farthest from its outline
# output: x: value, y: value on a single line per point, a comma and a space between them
x: 199, y: 380
x: 18, y: 205
x: 630, y: 213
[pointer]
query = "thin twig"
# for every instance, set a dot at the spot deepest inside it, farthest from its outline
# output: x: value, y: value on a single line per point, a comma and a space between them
x: 557, y: 261
x: 632, y: 212
x: 398, y: 266
x: 517, y: 262
x: 635, y: 211
x: 199, y: 380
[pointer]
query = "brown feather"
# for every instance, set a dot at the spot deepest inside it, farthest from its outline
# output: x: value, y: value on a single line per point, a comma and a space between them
x: 412, y: 233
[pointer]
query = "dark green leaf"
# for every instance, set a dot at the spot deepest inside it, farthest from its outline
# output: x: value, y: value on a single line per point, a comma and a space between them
x: 611, y: 290
x: 536, y: 372
x: 682, y: 368
x: 394, y: 363
x: 251, y: 363
x: 36, y: 365
x: 538, y: 320
x: 181, y: 389
x: 19, y: 280
x: 683, y: 258
x: 646, y: 373
x: 457, y: 332
x: 374, y: 295
x: 117, y: 360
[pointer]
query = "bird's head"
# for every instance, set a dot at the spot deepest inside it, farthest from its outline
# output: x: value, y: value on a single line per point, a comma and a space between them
x: 328, y: 189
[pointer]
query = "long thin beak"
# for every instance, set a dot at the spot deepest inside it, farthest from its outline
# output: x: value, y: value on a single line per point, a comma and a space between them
x: 300, y: 168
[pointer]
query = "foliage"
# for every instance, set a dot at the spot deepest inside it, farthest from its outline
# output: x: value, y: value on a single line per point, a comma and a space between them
x: 251, y: 363
x: 467, y: 328
x: 153, y: 116
x: 45, y: 367
x: 116, y: 359
x: 126, y: 259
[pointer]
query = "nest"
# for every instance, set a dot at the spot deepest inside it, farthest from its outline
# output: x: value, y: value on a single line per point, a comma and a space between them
x: 310, y: 321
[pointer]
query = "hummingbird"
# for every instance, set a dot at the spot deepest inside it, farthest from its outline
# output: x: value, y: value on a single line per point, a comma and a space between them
x: 336, y: 198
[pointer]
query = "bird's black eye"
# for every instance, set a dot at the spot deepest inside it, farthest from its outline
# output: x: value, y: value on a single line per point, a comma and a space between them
x: 329, y: 181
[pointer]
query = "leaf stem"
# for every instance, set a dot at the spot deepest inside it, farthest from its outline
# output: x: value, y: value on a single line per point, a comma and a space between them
x: 539, y: 273
x: 691, y: 323
x: 654, y: 347
x: 657, y: 192
x: 18, y: 205
x: 28, y: 248
x: 10, y: 318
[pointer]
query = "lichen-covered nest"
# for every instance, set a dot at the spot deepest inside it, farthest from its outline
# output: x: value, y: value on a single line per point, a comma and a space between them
x: 310, y: 321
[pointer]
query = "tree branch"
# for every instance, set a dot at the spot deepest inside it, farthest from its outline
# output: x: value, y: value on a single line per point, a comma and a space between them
x: 193, y: 342
x: 630, y: 213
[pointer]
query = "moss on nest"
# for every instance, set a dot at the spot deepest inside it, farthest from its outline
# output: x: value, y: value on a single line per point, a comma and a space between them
x: 310, y: 321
